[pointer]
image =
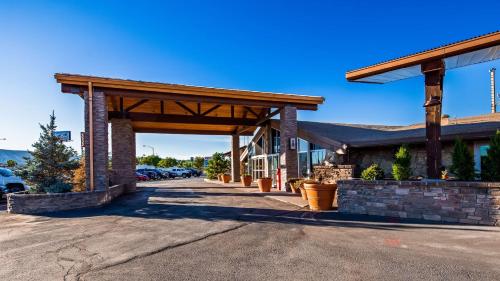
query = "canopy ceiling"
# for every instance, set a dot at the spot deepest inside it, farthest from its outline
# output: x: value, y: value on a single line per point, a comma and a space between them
x: 467, y: 52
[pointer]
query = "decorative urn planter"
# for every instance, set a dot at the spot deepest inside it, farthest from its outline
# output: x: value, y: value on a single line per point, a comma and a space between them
x: 246, y: 180
x: 320, y: 196
x: 265, y: 184
x: 294, y: 185
x: 226, y: 178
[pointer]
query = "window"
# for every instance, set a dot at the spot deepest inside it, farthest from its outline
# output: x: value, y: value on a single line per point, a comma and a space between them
x: 318, y: 156
x: 275, y: 139
x: 480, y: 152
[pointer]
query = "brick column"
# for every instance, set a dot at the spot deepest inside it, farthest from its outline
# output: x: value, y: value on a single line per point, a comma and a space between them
x: 123, y: 153
x: 100, y: 127
x: 235, y: 158
x: 288, y: 156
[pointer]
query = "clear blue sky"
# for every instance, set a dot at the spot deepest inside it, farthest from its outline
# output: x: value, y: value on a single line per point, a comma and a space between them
x: 284, y: 46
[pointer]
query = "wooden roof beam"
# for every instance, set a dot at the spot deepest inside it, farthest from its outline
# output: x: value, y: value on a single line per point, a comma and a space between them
x: 137, y: 104
x: 183, y: 119
x: 188, y: 132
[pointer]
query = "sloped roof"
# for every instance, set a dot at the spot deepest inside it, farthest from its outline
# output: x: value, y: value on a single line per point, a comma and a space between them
x: 364, y: 135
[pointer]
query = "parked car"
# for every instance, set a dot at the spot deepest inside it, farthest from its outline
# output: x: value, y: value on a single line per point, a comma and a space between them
x: 141, y: 177
x: 180, y: 172
x: 10, y: 183
x: 195, y: 172
x: 165, y: 174
x: 150, y: 173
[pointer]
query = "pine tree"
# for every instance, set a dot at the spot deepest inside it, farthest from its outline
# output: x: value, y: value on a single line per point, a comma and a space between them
x: 462, y: 161
x: 51, y: 166
x: 491, y: 169
x: 401, y: 167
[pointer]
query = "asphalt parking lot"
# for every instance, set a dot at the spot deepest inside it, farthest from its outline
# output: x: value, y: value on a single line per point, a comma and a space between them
x: 192, y: 230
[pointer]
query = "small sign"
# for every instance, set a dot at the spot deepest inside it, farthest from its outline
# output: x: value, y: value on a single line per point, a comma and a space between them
x: 63, y: 135
x: 293, y: 143
x: 82, y: 139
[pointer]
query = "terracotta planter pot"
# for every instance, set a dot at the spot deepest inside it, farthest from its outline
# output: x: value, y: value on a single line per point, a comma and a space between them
x: 219, y: 177
x: 265, y: 184
x: 246, y: 181
x: 320, y: 196
x: 226, y: 178
x: 303, y: 192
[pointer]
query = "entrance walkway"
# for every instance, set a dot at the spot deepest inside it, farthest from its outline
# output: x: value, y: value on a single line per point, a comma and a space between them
x: 193, y: 230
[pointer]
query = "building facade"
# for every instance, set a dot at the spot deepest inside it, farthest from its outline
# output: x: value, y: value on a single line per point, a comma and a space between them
x: 362, y: 145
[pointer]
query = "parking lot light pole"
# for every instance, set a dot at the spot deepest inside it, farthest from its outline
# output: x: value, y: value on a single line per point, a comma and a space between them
x: 152, y: 148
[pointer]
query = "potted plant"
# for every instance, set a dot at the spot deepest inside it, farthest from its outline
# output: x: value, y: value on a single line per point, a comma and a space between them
x: 265, y: 184
x: 320, y: 195
x: 226, y: 178
x: 246, y: 180
x: 294, y: 185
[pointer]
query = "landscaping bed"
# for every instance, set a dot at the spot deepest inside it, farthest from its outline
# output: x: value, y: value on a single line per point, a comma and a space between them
x: 19, y: 203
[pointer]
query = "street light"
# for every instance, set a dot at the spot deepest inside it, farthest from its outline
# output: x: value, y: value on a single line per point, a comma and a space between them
x: 152, y: 148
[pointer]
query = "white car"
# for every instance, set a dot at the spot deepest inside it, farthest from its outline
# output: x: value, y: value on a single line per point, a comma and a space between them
x: 10, y: 183
x: 180, y: 172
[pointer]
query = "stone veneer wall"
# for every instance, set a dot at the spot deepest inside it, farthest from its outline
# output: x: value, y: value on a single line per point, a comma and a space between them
x: 384, y: 157
x: 445, y: 201
x: 42, y: 203
x: 331, y: 174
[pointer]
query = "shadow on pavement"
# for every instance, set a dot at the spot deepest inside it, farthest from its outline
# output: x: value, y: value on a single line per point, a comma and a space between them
x: 143, y: 204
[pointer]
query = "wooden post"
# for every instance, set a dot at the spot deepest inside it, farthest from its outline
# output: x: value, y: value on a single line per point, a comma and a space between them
x: 235, y: 158
x: 91, y: 135
x: 434, y: 74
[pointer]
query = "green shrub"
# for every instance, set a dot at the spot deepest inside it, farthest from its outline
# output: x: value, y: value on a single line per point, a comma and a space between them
x: 462, y: 161
x: 490, y: 168
x: 217, y: 165
x: 374, y: 172
x: 401, y: 167
x: 59, y: 187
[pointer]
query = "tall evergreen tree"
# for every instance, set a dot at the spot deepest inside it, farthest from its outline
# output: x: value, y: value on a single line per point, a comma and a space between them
x: 51, y: 166
x: 462, y: 161
x: 490, y: 168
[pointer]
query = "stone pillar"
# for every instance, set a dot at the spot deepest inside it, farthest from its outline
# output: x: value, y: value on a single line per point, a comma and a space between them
x: 288, y: 155
x: 100, y: 140
x: 235, y: 158
x: 123, y: 153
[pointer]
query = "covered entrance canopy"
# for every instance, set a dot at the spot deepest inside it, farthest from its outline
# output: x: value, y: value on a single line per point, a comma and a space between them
x: 432, y: 64
x: 149, y: 107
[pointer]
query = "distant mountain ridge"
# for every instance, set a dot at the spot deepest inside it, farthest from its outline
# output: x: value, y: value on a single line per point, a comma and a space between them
x: 16, y: 155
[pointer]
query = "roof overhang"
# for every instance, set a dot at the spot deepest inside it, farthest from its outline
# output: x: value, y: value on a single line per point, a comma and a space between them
x: 467, y: 52
x: 72, y: 83
x: 180, y: 109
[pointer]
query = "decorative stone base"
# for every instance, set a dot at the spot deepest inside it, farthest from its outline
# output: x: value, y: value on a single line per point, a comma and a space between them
x: 331, y: 174
x: 43, y: 203
x: 444, y: 201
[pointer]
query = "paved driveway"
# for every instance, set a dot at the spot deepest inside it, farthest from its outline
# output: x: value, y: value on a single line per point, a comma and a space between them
x: 191, y: 230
